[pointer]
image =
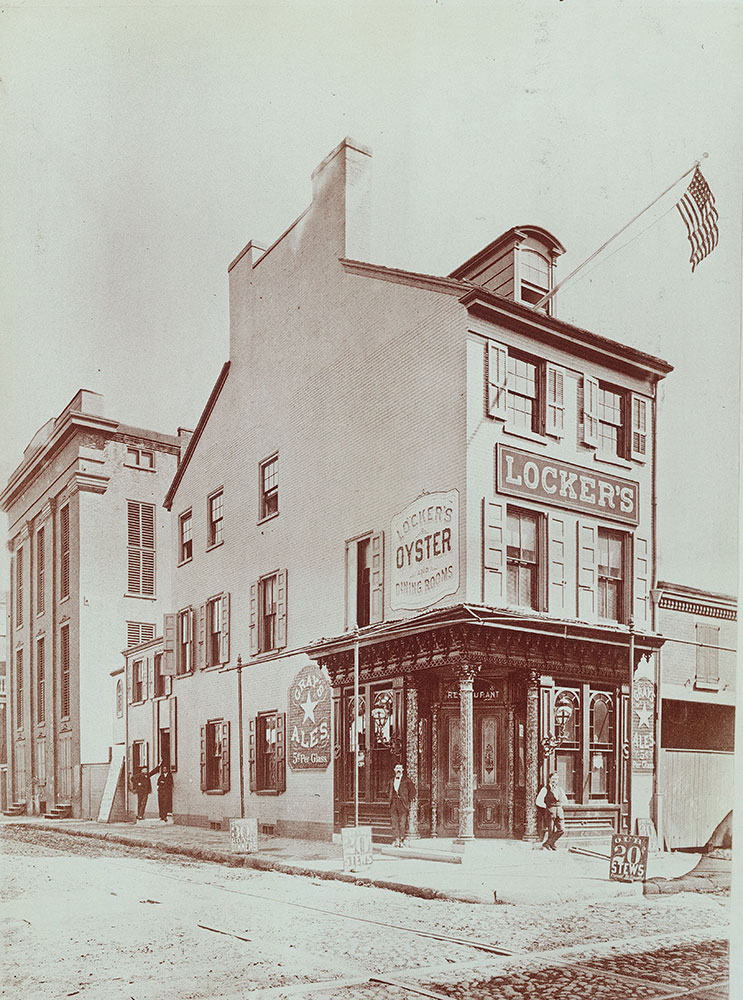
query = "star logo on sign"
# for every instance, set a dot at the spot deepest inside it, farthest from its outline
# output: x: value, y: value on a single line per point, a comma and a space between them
x: 643, y: 717
x: 309, y: 709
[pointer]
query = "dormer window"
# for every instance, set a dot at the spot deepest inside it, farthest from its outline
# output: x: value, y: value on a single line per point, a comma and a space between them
x: 535, y: 276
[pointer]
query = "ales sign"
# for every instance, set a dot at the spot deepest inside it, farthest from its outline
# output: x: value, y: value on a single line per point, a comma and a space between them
x: 309, y: 720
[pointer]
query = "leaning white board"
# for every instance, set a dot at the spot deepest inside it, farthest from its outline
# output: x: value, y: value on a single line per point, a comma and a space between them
x: 112, y: 781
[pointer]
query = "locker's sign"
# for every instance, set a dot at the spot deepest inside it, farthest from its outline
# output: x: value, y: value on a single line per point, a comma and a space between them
x: 563, y: 484
x: 309, y: 720
x: 425, y: 551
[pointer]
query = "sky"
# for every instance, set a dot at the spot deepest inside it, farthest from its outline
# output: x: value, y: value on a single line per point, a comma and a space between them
x: 146, y: 145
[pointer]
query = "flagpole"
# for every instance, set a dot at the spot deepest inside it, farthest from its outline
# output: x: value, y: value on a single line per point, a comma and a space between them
x: 548, y: 296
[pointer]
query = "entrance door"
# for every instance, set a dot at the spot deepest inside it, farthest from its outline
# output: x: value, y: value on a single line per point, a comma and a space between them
x: 490, y: 773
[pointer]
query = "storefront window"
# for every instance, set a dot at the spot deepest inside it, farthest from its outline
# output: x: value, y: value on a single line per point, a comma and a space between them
x: 584, y: 724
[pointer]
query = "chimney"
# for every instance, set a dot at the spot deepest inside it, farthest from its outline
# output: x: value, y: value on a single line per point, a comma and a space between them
x: 184, y: 439
x: 343, y: 183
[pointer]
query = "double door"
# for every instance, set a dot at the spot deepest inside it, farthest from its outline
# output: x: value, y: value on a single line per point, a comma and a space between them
x: 490, y: 772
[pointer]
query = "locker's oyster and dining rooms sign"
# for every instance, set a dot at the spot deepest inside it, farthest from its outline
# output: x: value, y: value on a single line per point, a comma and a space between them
x: 424, y: 551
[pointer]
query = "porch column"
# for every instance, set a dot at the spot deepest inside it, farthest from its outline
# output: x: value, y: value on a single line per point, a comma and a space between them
x: 531, y: 751
x: 434, y: 769
x: 411, y: 754
x: 466, y: 756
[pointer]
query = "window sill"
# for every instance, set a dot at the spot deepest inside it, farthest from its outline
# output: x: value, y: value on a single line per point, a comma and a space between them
x: 178, y: 677
x: 62, y: 600
x: 215, y: 791
x: 213, y: 667
x: 268, y: 517
x: 619, y: 463
x: 264, y: 654
x: 185, y: 562
x: 142, y: 597
x: 139, y: 468
x: 706, y: 685
x: 266, y: 791
x: 136, y: 704
x: 214, y: 545
x: 525, y: 435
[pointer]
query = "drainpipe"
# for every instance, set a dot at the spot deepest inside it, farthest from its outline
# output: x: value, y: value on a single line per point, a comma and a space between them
x: 240, y: 734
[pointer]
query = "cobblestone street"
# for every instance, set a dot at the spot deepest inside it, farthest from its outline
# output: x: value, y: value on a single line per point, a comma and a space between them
x: 108, y: 921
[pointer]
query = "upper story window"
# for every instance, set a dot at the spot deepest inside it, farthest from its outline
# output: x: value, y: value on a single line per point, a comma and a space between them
x: 141, y: 548
x: 140, y: 458
x: 184, y: 642
x: 40, y: 571
x: 615, y: 421
x: 160, y: 677
x: 522, y: 557
x: 610, y: 575
x: 526, y: 392
x: 269, y: 487
x: 185, y: 537
x: 217, y: 630
x: 215, y: 518
x: 19, y: 586
x: 138, y: 669
x: 64, y: 552
x: 268, y: 613
x: 137, y: 632
x: 364, y: 581
x: 708, y: 657
x: 535, y: 276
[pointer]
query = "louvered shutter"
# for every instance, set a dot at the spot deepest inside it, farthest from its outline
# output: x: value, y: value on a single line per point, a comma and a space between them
x: 190, y: 639
x: 251, y: 755
x: 224, y: 782
x: 202, y: 660
x: 494, y: 551
x: 148, y: 548
x: 253, y: 619
x: 590, y: 411
x: 64, y: 548
x: 173, y: 729
x: 281, y: 609
x: 377, y: 578
x: 224, y: 652
x: 203, y: 758
x: 169, y: 626
x: 281, y: 752
x: 554, y: 416
x: 134, y: 541
x: 150, y: 692
x: 587, y: 570
x: 497, y: 380
x: 557, y: 566
x: 641, y: 588
x: 352, y: 557
x: 130, y: 681
x: 639, y: 429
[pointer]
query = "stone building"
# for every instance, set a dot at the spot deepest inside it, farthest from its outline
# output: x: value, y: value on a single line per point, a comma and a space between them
x: 90, y: 574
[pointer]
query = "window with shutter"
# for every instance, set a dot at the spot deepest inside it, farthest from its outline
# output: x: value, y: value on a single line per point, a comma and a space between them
x: 268, y: 752
x: 522, y: 558
x: 19, y: 587
x: 364, y: 580
x: 64, y: 552
x: 137, y: 632
x: 64, y: 658
x: 184, y: 652
x: 639, y: 430
x: 40, y: 571
x: 141, y: 548
x: 708, y: 656
x: 610, y: 575
x: 497, y: 366
x: 214, y: 631
x: 215, y: 756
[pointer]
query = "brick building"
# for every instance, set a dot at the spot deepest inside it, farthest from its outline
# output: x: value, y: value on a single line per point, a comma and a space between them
x: 432, y: 477
x: 697, y: 717
x: 90, y: 574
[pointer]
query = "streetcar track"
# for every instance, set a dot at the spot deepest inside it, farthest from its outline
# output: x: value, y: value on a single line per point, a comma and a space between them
x: 568, y: 957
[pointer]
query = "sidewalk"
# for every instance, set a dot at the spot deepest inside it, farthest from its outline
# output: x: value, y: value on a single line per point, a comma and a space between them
x: 489, y: 871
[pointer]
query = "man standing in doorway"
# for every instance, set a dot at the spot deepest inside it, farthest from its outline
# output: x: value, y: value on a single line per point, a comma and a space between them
x: 401, y: 794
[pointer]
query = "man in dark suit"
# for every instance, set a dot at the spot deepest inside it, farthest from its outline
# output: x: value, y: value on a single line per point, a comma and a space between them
x: 401, y: 794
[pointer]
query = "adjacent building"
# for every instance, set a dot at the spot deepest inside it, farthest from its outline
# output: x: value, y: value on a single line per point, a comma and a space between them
x: 90, y: 575
x: 415, y: 521
x: 697, y: 718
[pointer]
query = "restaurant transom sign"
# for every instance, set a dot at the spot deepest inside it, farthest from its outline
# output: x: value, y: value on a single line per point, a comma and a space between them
x: 552, y: 481
x: 425, y: 551
x: 309, y: 720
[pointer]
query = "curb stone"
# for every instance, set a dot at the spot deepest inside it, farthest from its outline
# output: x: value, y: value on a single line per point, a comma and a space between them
x: 261, y: 864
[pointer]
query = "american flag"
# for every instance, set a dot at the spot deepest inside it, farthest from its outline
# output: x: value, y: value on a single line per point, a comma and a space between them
x: 697, y: 209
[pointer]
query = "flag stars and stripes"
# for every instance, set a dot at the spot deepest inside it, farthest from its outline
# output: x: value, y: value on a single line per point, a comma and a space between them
x: 697, y: 209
